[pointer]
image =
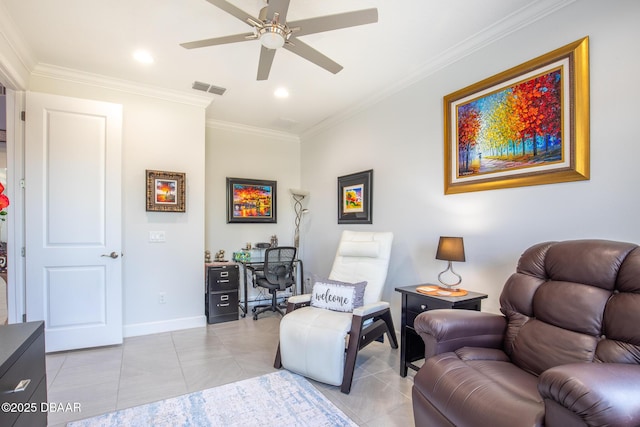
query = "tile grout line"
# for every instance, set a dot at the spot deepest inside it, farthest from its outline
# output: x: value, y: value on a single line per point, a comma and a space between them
x: 184, y: 378
x: 120, y: 375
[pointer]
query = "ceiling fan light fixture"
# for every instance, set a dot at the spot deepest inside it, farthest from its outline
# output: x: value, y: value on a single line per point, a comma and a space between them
x: 272, y: 36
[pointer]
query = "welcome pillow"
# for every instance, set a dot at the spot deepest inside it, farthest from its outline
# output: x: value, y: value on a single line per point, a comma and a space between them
x: 337, y: 296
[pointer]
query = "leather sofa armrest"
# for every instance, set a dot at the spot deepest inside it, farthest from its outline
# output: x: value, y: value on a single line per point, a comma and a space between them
x: 449, y: 329
x: 596, y: 393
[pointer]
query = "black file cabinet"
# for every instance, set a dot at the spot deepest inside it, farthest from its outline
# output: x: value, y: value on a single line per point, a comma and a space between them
x: 221, y: 292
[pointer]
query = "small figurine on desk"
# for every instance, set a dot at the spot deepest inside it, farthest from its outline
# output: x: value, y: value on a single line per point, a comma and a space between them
x: 274, y: 241
x: 207, y: 256
x: 220, y: 256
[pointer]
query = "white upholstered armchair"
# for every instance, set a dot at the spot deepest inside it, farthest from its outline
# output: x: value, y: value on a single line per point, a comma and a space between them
x: 323, y: 344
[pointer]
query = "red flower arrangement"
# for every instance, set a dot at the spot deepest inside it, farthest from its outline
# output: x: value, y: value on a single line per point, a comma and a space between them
x: 4, y: 202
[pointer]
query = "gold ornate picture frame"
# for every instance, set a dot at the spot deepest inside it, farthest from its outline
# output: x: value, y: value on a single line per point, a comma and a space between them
x: 528, y: 125
x: 165, y: 191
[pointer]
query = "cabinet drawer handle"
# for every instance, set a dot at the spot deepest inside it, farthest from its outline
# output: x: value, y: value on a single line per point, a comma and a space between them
x: 224, y: 297
x: 22, y: 386
x: 423, y: 307
x: 224, y: 274
x: 223, y: 305
x: 223, y: 281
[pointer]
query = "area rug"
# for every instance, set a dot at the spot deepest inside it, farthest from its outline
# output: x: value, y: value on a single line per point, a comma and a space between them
x: 277, y: 399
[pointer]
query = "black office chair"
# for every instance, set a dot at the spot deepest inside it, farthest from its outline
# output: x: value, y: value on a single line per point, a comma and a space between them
x: 277, y: 275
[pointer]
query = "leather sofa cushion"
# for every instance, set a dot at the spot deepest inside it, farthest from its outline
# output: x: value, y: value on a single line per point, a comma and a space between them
x: 474, y: 391
x: 557, y: 305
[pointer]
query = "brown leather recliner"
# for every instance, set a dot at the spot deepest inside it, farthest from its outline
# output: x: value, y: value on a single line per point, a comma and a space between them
x: 565, y: 353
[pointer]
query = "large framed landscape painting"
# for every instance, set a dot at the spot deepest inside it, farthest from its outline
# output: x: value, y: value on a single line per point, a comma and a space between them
x: 251, y: 200
x: 528, y: 125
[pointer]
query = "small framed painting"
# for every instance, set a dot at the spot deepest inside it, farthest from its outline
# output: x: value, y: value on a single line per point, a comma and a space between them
x: 165, y: 191
x: 251, y: 200
x: 354, y: 198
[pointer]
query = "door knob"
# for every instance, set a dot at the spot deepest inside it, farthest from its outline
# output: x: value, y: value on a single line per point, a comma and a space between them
x: 113, y: 255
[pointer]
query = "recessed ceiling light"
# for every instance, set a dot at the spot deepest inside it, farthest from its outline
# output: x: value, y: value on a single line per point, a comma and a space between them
x: 143, y: 56
x: 281, y: 92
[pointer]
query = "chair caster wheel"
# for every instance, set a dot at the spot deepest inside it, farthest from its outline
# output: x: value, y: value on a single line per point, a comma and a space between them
x: 255, y: 317
x: 253, y: 310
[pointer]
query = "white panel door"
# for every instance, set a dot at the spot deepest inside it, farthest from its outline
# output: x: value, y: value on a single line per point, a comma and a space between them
x: 73, y: 220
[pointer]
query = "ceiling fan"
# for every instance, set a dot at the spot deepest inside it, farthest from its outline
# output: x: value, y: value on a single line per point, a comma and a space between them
x: 273, y: 31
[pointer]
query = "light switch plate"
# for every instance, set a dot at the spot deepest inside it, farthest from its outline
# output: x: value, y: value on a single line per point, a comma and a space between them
x: 157, y: 237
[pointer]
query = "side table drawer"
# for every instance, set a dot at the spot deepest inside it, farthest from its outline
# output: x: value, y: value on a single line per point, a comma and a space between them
x: 417, y: 304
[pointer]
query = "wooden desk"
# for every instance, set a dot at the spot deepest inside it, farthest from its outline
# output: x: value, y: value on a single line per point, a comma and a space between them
x: 414, y: 303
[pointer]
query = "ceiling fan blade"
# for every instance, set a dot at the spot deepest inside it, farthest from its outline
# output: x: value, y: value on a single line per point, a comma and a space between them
x: 266, y: 59
x: 232, y: 10
x: 334, y: 22
x: 310, y: 54
x: 217, y: 40
x: 280, y: 7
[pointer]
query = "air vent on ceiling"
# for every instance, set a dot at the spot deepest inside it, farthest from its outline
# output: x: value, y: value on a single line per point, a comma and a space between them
x: 206, y: 87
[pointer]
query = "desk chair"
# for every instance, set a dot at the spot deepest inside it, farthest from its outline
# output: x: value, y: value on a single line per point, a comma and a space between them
x: 277, y: 275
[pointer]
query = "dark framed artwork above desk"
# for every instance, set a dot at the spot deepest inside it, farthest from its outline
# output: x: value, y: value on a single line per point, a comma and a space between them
x: 251, y: 200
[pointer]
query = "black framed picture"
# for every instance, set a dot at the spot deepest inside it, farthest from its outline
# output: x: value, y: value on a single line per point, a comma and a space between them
x: 355, y: 198
x: 251, y: 200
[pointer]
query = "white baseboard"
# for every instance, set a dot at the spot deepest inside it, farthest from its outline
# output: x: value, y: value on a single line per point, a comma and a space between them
x: 138, y: 329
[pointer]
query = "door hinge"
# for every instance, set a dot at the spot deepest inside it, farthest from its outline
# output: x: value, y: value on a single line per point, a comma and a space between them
x: 24, y: 318
x: 22, y: 183
x: 23, y: 252
x: 23, y: 115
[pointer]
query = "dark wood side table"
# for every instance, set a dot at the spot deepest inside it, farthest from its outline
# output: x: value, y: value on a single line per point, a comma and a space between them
x: 414, y: 303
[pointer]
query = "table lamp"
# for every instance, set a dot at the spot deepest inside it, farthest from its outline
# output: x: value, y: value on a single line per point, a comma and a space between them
x: 450, y: 249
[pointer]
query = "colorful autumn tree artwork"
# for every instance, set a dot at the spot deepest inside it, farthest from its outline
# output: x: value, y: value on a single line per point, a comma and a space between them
x: 512, y: 128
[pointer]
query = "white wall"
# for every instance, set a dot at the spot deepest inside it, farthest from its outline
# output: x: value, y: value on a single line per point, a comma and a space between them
x: 401, y: 138
x: 242, y: 152
x: 163, y: 135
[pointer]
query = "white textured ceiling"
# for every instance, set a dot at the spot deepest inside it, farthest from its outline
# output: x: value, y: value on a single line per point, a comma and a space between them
x: 411, y: 39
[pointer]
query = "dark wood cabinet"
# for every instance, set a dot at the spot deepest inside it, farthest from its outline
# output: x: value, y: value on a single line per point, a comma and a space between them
x: 222, y: 282
x: 414, y: 303
x: 23, y: 381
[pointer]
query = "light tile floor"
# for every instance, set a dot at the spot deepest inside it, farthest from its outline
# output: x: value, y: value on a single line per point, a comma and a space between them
x: 155, y: 367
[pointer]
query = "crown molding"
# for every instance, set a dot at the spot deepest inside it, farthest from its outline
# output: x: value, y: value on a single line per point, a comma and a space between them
x: 16, y: 60
x: 519, y: 19
x: 97, y: 80
x: 251, y: 130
